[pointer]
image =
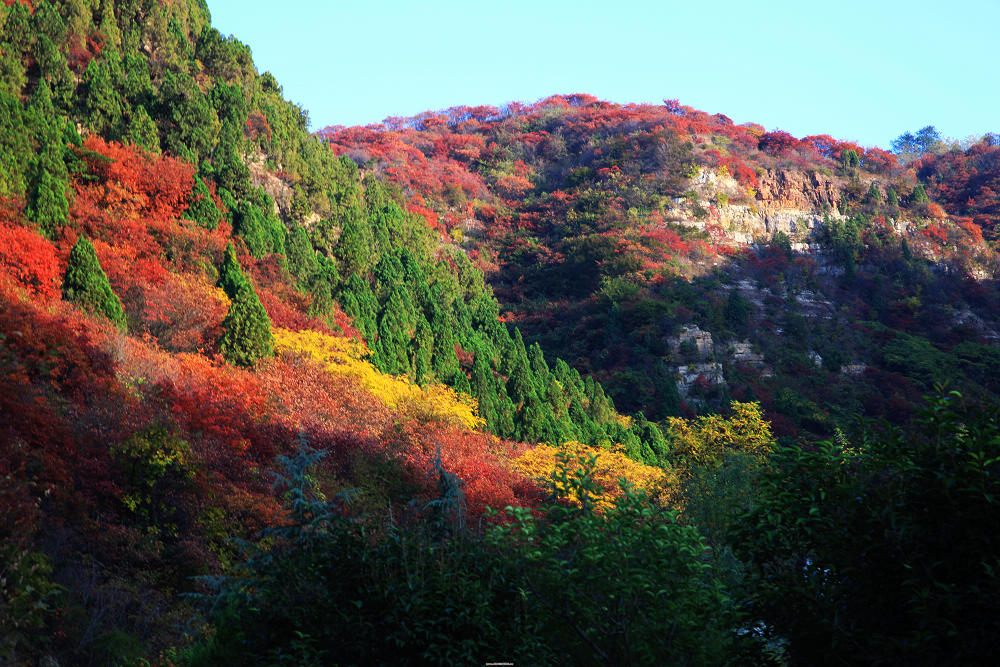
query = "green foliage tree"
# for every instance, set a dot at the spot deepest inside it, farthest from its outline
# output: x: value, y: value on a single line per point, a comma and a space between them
x: 261, y: 230
x: 353, y: 251
x: 142, y: 130
x: 231, y: 276
x: 396, y: 326
x: 247, y: 336
x: 201, y: 207
x: 883, y: 550
x: 570, y: 585
x: 102, y: 98
x: 48, y: 205
x: 86, y: 284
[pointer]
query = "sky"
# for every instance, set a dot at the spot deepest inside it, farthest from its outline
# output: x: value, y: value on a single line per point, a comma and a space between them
x: 861, y: 70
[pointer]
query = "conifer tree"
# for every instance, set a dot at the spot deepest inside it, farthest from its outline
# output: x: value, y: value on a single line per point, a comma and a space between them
x: 421, y: 351
x: 495, y: 406
x: 539, y: 368
x: 302, y: 260
x: 444, y: 361
x: 396, y: 325
x: 142, y: 132
x: 103, y: 102
x: 262, y: 231
x: 247, y: 336
x: 13, y: 75
x: 358, y: 301
x: 47, y: 204
x: 201, y: 208
x: 86, y: 284
x: 353, y: 251
x: 231, y: 276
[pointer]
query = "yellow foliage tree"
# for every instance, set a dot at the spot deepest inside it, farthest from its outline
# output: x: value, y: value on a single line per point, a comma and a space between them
x: 704, y: 441
x: 346, y: 356
x: 612, y: 465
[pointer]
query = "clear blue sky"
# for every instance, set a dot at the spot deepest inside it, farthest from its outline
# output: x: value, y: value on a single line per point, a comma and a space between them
x: 864, y: 70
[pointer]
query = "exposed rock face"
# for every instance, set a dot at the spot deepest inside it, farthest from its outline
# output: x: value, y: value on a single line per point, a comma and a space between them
x: 784, y: 189
x: 688, y: 376
x: 276, y: 188
x: 700, y: 340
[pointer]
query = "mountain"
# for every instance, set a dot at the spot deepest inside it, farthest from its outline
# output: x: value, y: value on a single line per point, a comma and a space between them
x: 560, y: 379
x: 662, y: 249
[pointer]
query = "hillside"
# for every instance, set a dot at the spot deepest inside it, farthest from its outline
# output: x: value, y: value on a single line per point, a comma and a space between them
x: 543, y: 381
x: 684, y: 260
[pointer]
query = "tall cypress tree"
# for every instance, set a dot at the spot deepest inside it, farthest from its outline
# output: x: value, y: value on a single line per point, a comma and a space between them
x: 231, y: 276
x: 395, y: 329
x: 142, y: 132
x: 247, y: 336
x: 48, y: 205
x: 201, y: 208
x: 85, y: 283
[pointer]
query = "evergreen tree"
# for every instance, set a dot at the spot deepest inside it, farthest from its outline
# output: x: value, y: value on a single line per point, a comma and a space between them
x: 201, y: 208
x: 540, y: 369
x: 86, y: 284
x: 396, y: 325
x: 231, y: 173
x: 13, y: 75
x: 444, y: 361
x: 737, y: 311
x: 231, y: 276
x: 48, y: 205
x: 142, y: 132
x: 301, y: 256
x: 262, y: 232
x: 495, y: 406
x: 247, y: 336
x: 108, y: 26
x: 353, y: 251
x: 358, y: 301
x: 421, y: 351
x: 103, y: 103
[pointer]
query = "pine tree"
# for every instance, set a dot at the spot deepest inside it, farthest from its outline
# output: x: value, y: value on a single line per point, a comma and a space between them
x: 48, y: 205
x: 358, y: 301
x: 86, y: 284
x: 142, y: 132
x: 201, y: 208
x: 301, y: 256
x: 247, y: 336
x: 421, y: 351
x: 444, y: 362
x: 103, y: 102
x: 396, y: 325
x: 231, y: 276
x: 354, y: 248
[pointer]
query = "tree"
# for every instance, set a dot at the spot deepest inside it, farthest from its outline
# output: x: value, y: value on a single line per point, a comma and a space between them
x: 883, y: 550
x: 86, y: 284
x: 909, y: 146
x: 48, y: 205
x: 231, y: 276
x: 201, y: 207
x: 103, y: 101
x: 142, y: 130
x: 353, y: 251
x: 247, y: 337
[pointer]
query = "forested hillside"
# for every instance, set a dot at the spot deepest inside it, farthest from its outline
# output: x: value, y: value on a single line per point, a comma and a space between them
x: 684, y: 260
x: 562, y: 382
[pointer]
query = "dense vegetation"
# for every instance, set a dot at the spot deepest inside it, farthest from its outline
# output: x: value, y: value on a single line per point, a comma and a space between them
x: 609, y: 231
x: 260, y: 404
